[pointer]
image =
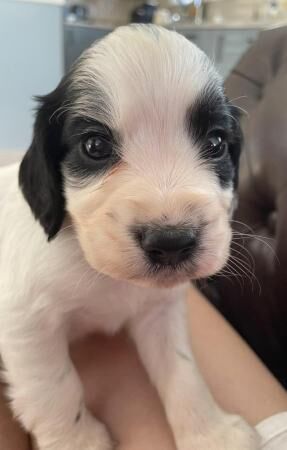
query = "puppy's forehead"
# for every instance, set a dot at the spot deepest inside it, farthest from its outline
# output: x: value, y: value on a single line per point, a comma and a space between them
x: 142, y: 69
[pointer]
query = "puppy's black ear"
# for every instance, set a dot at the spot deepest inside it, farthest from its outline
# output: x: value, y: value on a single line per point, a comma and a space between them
x: 40, y: 176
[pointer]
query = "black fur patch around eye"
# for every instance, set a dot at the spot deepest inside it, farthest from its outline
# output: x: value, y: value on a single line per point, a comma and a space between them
x: 80, y: 165
x: 40, y: 175
x: 208, y: 112
x: 224, y: 170
x: 212, y: 111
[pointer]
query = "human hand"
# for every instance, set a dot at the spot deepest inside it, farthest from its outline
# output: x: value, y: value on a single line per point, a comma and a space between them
x: 117, y: 392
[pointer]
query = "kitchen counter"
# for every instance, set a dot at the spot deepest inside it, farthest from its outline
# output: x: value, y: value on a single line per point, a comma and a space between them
x: 186, y: 25
x: 260, y: 25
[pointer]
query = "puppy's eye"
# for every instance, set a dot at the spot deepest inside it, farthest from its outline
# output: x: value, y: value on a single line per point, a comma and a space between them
x: 98, y: 147
x: 216, y: 146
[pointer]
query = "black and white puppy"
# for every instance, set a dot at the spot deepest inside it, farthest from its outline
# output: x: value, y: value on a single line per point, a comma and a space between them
x: 130, y: 175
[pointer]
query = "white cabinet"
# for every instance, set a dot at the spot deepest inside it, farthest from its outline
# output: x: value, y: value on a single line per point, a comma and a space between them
x: 78, y: 37
x: 224, y: 46
x: 230, y: 46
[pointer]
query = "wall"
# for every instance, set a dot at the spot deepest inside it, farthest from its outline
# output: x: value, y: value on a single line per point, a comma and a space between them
x: 31, y: 63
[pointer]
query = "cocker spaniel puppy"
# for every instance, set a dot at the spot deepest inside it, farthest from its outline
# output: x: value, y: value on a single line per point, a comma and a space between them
x: 130, y: 177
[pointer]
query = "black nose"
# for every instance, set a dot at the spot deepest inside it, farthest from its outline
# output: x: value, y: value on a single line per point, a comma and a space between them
x: 168, y: 246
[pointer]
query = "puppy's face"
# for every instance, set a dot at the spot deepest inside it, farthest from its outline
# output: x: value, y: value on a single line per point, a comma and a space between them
x: 139, y: 146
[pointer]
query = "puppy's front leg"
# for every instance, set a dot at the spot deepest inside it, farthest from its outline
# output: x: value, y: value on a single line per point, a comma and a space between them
x: 45, y: 389
x: 197, y: 422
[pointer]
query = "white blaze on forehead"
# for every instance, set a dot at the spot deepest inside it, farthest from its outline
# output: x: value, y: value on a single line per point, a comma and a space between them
x: 152, y: 66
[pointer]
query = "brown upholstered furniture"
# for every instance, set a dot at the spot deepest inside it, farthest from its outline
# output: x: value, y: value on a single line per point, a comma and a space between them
x: 258, y: 308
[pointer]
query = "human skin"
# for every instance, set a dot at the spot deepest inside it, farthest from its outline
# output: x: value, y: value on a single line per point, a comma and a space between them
x: 118, y: 391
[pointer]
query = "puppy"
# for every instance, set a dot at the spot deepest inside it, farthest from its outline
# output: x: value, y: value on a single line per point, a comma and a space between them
x: 130, y: 177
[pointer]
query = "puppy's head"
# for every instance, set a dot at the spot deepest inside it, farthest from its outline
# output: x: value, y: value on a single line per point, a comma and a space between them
x: 140, y: 147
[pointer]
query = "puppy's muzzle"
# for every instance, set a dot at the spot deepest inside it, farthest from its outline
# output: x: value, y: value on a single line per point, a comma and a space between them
x: 167, y: 246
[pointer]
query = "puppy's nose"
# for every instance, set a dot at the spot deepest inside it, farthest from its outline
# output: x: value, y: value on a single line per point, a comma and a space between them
x: 168, y: 246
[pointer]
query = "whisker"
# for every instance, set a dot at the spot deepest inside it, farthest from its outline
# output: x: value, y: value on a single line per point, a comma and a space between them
x: 262, y: 239
x: 250, y: 275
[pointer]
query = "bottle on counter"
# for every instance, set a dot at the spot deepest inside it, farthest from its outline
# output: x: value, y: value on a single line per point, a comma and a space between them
x: 145, y: 12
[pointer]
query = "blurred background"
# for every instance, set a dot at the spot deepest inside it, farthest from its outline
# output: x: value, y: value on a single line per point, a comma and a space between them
x: 40, y: 39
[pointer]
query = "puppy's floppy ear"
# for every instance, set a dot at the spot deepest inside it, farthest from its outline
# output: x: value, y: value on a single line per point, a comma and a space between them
x: 40, y: 175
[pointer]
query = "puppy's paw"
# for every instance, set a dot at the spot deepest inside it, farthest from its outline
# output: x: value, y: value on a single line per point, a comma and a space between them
x: 87, y: 434
x: 234, y: 435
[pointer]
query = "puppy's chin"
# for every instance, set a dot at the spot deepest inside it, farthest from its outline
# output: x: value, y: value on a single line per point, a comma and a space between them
x: 168, y: 279
x: 165, y: 277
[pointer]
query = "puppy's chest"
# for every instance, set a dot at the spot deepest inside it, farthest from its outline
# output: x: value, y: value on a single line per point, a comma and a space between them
x: 105, y: 312
x: 89, y: 320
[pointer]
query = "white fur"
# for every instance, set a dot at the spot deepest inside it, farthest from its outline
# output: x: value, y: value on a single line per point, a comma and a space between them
x: 87, y: 278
